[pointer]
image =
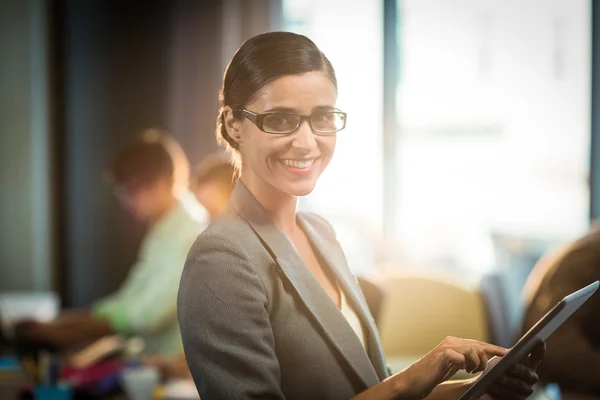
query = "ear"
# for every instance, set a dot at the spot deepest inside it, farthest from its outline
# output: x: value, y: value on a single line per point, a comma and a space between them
x: 233, y: 125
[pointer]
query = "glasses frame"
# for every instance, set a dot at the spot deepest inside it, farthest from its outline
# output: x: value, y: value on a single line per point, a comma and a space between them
x: 257, y: 119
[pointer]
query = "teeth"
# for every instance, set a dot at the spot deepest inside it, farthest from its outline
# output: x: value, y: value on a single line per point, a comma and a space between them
x: 299, y: 164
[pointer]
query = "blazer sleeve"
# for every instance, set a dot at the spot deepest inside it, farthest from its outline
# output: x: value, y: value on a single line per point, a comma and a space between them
x: 223, y: 312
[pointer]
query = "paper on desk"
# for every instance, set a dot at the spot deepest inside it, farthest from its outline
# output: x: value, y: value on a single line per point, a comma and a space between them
x: 39, y: 306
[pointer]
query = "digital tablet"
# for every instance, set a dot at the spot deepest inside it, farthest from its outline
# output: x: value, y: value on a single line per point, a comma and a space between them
x: 540, y: 331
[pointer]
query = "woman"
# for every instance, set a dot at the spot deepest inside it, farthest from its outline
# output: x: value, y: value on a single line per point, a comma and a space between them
x: 267, y: 305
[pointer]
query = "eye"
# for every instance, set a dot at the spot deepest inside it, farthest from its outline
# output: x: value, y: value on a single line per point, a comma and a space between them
x: 323, y: 117
x: 280, y: 122
x: 280, y: 119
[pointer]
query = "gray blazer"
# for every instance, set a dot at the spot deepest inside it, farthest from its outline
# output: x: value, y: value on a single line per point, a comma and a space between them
x: 256, y: 323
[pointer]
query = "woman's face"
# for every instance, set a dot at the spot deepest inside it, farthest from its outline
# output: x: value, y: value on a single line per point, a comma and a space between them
x: 289, y: 163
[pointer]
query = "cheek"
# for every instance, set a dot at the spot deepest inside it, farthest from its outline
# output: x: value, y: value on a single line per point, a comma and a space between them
x: 251, y: 146
x: 145, y: 203
x: 327, y: 146
x: 261, y: 150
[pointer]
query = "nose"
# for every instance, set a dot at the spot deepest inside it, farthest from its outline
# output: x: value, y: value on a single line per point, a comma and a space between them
x: 304, y: 138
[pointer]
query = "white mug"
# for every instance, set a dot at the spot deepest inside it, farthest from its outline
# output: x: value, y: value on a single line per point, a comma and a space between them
x: 140, y: 383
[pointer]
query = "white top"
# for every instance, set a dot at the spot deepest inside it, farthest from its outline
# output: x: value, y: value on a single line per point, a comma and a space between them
x: 353, y: 319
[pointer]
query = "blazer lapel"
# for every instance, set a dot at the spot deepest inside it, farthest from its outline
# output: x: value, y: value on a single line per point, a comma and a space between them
x: 337, y: 262
x: 308, y: 288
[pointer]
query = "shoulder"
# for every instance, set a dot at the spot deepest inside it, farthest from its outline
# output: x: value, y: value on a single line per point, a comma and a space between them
x: 228, y: 236
x: 220, y: 263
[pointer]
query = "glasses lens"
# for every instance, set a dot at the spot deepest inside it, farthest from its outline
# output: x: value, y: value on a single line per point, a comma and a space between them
x: 331, y: 121
x: 280, y: 122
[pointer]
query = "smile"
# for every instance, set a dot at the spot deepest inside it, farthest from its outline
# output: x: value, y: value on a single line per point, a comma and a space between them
x: 299, y: 164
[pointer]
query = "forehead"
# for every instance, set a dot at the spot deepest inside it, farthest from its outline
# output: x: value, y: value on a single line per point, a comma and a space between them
x: 299, y: 92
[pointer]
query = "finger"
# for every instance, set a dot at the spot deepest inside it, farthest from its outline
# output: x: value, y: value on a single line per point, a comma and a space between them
x: 516, y: 386
x: 491, y: 349
x: 524, y: 373
x: 454, y: 361
x: 483, y: 360
x: 537, y: 354
x: 471, y: 358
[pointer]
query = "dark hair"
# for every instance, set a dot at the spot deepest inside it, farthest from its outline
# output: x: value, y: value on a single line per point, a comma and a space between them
x: 257, y: 62
x: 215, y: 169
x: 150, y: 156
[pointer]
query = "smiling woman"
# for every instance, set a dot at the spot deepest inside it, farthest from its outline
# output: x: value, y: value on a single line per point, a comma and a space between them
x: 267, y: 305
x: 282, y: 161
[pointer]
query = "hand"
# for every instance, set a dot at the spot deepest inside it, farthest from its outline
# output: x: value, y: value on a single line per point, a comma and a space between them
x: 450, y: 356
x: 33, y: 331
x: 69, y: 328
x: 517, y: 383
x: 31, y: 336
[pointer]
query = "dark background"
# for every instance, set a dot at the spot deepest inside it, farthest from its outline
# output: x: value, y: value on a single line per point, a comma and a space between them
x: 79, y: 78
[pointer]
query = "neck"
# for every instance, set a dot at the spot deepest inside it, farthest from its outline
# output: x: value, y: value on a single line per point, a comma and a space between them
x: 281, y: 206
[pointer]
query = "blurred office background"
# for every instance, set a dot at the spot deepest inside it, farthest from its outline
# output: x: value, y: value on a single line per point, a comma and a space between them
x: 472, y: 144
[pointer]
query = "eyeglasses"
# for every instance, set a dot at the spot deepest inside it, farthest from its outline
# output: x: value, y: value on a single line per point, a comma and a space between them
x: 322, y: 122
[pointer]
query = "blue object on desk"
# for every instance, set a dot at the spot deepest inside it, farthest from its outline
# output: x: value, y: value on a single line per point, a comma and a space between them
x: 11, y: 378
x: 9, y: 363
x: 58, y: 392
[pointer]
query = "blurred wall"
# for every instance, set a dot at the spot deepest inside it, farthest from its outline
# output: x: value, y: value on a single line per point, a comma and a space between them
x: 25, y: 238
x: 128, y: 66
x: 114, y: 74
x: 78, y: 79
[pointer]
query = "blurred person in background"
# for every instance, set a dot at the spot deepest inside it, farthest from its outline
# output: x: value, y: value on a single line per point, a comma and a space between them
x: 267, y: 304
x: 212, y: 182
x: 150, y: 179
x: 573, y: 356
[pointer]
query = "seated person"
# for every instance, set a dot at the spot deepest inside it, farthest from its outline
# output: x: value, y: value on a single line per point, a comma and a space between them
x: 212, y: 182
x: 573, y: 352
x: 150, y: 177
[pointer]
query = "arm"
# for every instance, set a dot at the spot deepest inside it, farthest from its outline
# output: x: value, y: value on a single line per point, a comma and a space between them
x: 69, y: 328
x: 391, y: 388
x: 449, y: 390
x: 146, y: 302
x: 225, y: 326
x: 424, y: 379
x: 517, y: 383
x: 427, y: 378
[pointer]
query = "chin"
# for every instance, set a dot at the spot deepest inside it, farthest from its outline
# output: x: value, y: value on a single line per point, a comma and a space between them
x: 299, y: 189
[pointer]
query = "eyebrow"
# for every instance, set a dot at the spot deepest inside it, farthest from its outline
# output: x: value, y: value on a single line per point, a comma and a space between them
x: 294, y: 111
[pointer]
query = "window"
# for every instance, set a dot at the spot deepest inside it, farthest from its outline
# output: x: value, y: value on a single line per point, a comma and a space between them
x: 493, y: 113
x: 493, y: 141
